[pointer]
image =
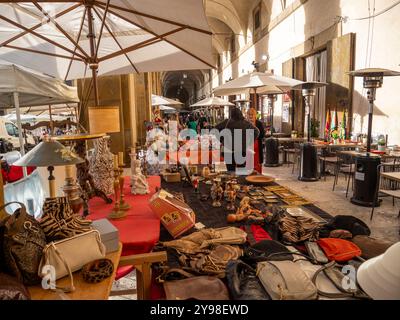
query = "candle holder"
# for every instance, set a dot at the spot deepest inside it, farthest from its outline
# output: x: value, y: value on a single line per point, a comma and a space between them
x: 117, y: 212
x: 122, y: 204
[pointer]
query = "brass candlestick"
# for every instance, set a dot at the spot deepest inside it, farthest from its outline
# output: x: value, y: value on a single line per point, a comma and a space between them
x: 122, y: 204
x: 117, y: 212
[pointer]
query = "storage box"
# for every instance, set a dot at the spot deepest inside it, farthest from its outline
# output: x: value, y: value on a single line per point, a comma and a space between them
x: 172, y: 176
x: 109, y: 234
x: 176, y: 216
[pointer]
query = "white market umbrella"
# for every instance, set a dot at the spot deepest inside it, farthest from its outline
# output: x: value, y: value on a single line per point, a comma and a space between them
x: 163, y: 101
x: 168, y: 109
x: 211, y: 102
x: 22, y: 87
x: 260, y: 82
x: 75, y: 39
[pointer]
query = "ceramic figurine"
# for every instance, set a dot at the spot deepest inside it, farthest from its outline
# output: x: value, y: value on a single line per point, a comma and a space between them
x: 138, y: 180
x: 246, y: 209
x: 101, y: 166
x: 230, y: 196
x: 216, y: 194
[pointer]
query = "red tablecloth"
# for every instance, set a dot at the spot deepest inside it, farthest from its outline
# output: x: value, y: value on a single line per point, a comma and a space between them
x: 140, y: 229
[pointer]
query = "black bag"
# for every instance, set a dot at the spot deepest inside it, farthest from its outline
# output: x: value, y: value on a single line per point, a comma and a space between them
x: 349, y: 223
x: 243, y: 283
x: 23, y: 245
x: 266, y: 250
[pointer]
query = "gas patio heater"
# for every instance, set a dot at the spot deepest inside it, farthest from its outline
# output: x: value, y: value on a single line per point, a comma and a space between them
x: 271, y: 144
x: 366, y: 165
x: 308, y: 153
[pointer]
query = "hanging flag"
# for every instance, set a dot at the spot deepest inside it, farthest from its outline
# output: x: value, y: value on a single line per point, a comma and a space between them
x: 328, y: 125
x: 333, y: 121
x: 343, y: 133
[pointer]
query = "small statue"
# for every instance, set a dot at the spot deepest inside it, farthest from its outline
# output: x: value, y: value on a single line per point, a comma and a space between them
x: 217, y: 194
x: 230, y: 195
x: 245, y: 212
x: 138, y: 180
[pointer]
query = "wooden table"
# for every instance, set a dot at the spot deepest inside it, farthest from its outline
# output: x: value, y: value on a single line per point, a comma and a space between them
x: 291, y: 139
x: 336, y: 146
x: 354, y: 154
x: 84, y: 290
x: 395, y: 176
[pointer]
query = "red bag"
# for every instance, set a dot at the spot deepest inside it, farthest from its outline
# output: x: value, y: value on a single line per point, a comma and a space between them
x: 339, y: 250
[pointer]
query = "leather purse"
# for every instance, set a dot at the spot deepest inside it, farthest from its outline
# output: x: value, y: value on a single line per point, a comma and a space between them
x: 284, y: 280
x: 23, y: 243
x: 12, y: 289
x: 70, y: 255
x: 59, y: 221
x: 198, y: 288
x: 243, y: 282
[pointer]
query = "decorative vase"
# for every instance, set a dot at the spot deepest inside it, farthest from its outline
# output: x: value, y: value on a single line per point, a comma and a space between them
x: 335, y: 141
x: 101, y: 166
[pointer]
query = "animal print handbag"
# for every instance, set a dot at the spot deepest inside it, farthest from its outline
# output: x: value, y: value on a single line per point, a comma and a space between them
x: 59, y: 221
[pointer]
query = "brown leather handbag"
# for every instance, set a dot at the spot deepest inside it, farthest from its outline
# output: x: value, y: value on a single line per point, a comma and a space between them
x: 12, y: 289
x: 198, y: 288
x: 23, y: 243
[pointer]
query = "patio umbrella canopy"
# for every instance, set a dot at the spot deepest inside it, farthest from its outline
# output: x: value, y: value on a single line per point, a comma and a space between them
x: 34, y: 89
x: 266, y: 83
x: 66, y: 39
x: 212, y: 101
x: 163, y: 101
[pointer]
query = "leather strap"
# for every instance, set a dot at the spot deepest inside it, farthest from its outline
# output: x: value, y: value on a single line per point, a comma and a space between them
x: 18, y: 223
x: 250, y: 235
x: 71, y: 288
x: 343, y: 294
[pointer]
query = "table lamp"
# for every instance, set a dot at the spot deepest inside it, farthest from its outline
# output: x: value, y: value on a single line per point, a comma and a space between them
x: 366, y: 175
x: 49, y: 153
x: 309, y: 158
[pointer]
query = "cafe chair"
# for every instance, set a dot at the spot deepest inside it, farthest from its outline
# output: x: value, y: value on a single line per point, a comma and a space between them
x: 296, y: 157
x: 386, y: 187
x: 288, y: 150
x: 345, y: 164
x: 327, y: 159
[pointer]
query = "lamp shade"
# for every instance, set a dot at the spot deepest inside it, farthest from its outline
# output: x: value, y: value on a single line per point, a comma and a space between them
x: 49, y: 153
x: 379, y: 277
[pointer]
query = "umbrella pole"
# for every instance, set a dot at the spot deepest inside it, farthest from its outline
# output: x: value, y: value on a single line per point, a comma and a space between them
x: 51, y: 121
x: 21, y: 138
x: 93, y: 65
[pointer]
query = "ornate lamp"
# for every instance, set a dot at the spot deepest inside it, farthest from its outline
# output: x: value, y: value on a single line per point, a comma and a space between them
x: 49, y: 153
x: 308, y: 159
x: 366, y: 175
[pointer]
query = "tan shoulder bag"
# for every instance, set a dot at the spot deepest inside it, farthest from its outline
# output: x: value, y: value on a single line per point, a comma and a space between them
x: 71, y: 254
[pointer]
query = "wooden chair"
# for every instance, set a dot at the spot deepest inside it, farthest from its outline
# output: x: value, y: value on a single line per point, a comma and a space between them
x: 386, y: 187
x: 345, y: 165
x: 296, y: 156
x: 327, y: 158
x: 142, y: 263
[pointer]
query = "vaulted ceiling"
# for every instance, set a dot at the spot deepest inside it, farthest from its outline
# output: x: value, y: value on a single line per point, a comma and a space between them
x: 226, y: 18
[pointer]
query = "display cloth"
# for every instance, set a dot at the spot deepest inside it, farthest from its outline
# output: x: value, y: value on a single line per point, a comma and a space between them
x: 140, y: 229
x: 213, y: 217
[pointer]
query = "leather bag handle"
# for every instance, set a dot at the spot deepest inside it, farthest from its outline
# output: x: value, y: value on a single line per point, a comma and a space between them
x: 18, y: 222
